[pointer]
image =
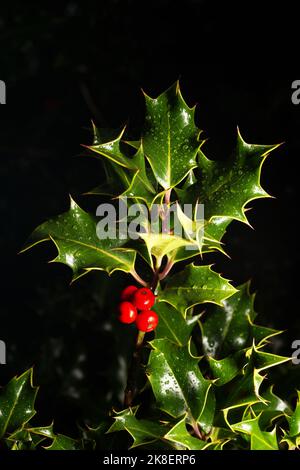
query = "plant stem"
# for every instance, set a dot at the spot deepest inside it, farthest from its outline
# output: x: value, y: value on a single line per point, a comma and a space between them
x: 131, y: 387
x: 166, y: 270
x: 141, y: 281
x: 197, y: 431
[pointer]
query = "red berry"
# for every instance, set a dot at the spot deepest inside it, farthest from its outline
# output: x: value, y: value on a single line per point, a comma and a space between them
x: 128, y: 292
x: 127, y: 312
x: 143, y: 299
x: 146, y: 321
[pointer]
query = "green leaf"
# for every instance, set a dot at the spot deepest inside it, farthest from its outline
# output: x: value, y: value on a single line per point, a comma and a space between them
x: 17, y: 403
x: 240, y: 392
x: 75, y: 236
x: 230, y: 328
x: 172, y: 325
x: 142, y: 431
x: 292, y: 437
x: 170, y: 137
x: 61, y: 442
x: 195, y: 285
x: 225, y: 188
x: 176, y: 380
x: 272, y: 408
x: 261, y: 360
x: 110, y: 149
x: 181, y: 436
x: 244, y: 390
x: 228, y: 368
x: 294, y: 420
x: 260, y: 440
x: 161, y: 244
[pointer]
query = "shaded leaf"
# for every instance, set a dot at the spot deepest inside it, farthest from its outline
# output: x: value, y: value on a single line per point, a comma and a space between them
x: 229, y: 328
x: 61, y: 442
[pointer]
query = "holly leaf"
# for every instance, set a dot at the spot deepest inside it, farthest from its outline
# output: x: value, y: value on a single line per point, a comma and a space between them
x: 172, y: 325
x: 225, y: 188
x: 180, y: 435
x: 272, y: 408
x: 260, y: 440
x: 161, y: 244
x: 228, y: 368
x: 61, y: 442
x: 170, y: 137
x: 244, y: 390
x: 230, y: 328
x: 176, y: 380
x: 292, y: 437
x: 294, y: 420
x: 110, y: 149
x: 142, y: 431
x: 195, y: 285
x: 17, y: 400
x: 75, y: 235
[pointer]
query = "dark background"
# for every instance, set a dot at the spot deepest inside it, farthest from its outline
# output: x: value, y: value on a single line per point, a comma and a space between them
x: 72, y: 61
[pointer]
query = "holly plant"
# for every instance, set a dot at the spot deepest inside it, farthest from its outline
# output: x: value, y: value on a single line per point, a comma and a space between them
x: 198, y: 378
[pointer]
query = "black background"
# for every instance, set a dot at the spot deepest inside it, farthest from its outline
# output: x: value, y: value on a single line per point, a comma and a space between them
x: 67, y: 62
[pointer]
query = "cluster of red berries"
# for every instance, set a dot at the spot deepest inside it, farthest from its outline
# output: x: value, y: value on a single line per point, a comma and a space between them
x: 135, y: 306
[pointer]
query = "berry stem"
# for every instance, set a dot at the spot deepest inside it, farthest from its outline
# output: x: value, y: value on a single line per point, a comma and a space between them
x: 131, y: 387
x: 166, y: 270
x: 135, y: 275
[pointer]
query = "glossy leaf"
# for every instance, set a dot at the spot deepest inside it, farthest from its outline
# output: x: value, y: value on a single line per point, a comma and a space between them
x: 273, y: 407
x: 292, y: 437
x: 294, y: 420
x: 176, y: 380
x: 141, y: 430
x: 172, y: 325
x: 225, y: 188
x: 75, y: 236
x: 195, y: 285
x: 17, y: 403
x: 228, y: 368
x: 229, y: 328
x: 170, y: 137
x: 181, y: 436
x: 61, y: 442
x: 260, y: 440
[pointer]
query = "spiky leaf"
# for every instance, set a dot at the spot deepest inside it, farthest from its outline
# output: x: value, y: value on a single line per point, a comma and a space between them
x: 170, y: 137
x: 17, y: 403
x: 195, y: 285
x: 229, y: 328
x: 176, y: 380
x: 142, y: 431
x: 172, y: 325
x: 260, y: 440
x: 79, y: 247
